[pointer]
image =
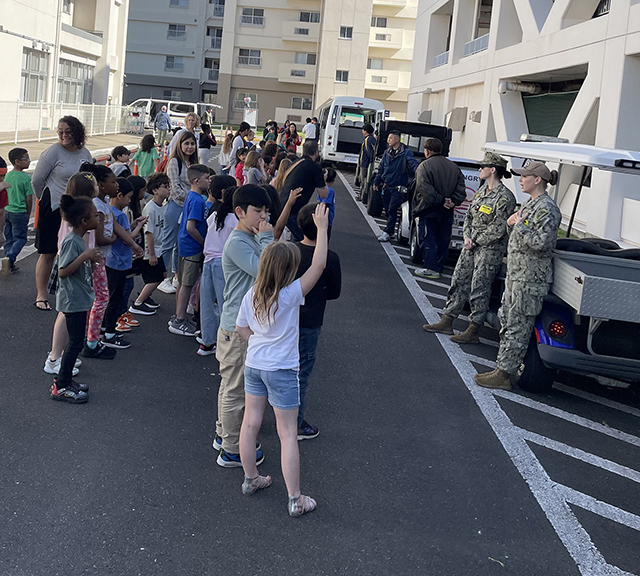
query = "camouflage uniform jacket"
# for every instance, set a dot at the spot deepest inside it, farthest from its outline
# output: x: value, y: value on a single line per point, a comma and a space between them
x: 532, y: 241
x: 486, y: 219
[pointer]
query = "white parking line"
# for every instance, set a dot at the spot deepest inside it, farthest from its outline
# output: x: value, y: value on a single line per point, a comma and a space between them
x: 434, y: 295
x: 433, y: 282
x: 553, y: 501
x: 593, y: 398
x: 578, y: 454
x: 579, y: 420
x: 480, y: 360
x: 26, y: 252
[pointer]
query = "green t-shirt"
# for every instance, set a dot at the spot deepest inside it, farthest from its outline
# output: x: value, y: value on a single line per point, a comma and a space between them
x: 20, y: 189
x: 145, y: 162
x: 75, y: 292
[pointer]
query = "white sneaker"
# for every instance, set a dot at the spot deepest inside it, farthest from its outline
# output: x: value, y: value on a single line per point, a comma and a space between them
x: 167, y: 287
x: 53, y: 366
x: 384, y: 237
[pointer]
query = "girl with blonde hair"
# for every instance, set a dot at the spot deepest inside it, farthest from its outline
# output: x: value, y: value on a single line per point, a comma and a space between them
x: 254, y: 168
x: 269, y: 320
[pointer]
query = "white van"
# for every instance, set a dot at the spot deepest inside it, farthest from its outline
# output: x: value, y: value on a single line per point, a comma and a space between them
x: 176, y: 110
x: 341, y: 120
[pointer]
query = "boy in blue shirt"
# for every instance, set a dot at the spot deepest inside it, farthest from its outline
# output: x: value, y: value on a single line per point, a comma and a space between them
x: 193, y: 229
x: 118, y: 262
x: 330, y: 200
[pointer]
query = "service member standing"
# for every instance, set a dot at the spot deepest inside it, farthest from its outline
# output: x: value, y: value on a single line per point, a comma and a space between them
x: 485, y: 244
x: 534, y: 231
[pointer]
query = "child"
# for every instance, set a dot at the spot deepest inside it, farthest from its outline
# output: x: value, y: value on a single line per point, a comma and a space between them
x: 330, y: 200
x: 220, y: 223
x: 147, y: 156
x: 269, y: 320
x: 152, y: 268
x: 254, y: 170
x: 119, y: 262
x: 18, y: 209
x: 312, y: 312
x: 121, y: 156
x: 240, y: 259
x: 241, y: 156
x: 193, y: 229
x: 74, y: 296
x: 4, y: 200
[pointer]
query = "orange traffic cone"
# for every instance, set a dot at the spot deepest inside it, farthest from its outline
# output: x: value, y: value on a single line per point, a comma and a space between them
x: 136, y: 172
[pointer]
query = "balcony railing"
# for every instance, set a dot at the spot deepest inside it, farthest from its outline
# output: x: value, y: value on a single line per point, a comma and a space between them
x: 299, y: 73
x: 174, y: 66
x: 240, y: 105
x: 253, y: 61
x: 214, y: 75
x: 478, y: 45
x: 216, y: 43
x: 441, y: 59
x: 218, y: 10
x: 252, y: 20
x: 378, y: 79
x: 176, y: 34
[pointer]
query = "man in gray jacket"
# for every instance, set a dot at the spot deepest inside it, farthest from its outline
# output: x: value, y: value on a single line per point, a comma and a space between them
x: 440, y: 188
x: 162, y: 123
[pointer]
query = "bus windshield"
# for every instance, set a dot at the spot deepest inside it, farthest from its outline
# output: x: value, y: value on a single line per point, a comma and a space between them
x: 356, y: 117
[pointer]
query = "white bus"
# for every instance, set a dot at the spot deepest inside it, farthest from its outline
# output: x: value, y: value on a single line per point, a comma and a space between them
x: 341, y: 120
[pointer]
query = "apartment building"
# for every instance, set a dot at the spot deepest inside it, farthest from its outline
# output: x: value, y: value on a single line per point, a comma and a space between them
x: 495, y: 69
x: 286, y: 57
x: 69, y: 51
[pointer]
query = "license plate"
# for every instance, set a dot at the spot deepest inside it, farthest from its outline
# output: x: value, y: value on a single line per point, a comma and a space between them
x: 350, y: 158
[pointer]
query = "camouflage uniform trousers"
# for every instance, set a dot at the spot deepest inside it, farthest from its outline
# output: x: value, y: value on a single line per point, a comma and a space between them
x: 472, y: 279
x: 521, y: 304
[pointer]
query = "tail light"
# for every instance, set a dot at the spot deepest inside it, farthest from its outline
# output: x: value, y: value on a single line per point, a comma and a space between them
x: 557, y: 329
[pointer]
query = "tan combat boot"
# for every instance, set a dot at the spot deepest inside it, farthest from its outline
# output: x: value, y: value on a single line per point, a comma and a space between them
x: 499, y: 379
x: 469, y: 336
x: 445, y: 326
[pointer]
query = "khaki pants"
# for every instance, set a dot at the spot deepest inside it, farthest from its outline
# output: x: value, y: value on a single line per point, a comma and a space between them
x: 231, y: 353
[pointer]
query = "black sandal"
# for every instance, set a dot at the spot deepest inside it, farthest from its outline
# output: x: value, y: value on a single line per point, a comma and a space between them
x: 46, y: 308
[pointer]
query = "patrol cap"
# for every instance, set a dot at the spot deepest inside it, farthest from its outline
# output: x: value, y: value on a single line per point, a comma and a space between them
x: 491, y: 159
x: 534, y: 169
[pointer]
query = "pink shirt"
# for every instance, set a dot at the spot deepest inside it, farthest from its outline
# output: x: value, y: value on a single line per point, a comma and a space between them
x: 65, y: 228
x: 215, y: 239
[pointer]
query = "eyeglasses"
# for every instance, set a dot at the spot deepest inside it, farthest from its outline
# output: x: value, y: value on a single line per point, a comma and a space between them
x: 64, y: 132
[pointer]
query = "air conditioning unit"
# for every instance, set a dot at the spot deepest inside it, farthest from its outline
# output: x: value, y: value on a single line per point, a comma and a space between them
x: 457, y: 119
x: 425, y: 116
x: 476, y: 116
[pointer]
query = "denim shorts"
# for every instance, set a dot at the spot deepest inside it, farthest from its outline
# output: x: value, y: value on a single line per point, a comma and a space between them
x: 281, y: 387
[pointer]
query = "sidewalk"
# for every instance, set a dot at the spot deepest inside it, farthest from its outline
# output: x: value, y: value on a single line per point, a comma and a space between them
x: 95, y: 144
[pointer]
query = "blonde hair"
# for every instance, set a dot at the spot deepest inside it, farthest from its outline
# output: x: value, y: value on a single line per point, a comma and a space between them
x: 194, y: 116
x: 251, y: 161
x: 283, y: 167
x: 228, y: 143
x: 278, y: 267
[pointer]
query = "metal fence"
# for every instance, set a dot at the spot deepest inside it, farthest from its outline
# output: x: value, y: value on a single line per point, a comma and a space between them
x: 29, y: 121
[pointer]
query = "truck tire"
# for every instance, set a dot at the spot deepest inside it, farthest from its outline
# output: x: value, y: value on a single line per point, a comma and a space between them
x: 364, y: 194
x: 415, y: 254
x: 374, y: 202
x: 399, y: 237
x: 535, y: 376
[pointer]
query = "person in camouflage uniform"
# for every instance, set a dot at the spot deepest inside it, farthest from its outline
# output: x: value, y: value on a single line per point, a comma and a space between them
x: 485, y: 244
x: 534, y: 231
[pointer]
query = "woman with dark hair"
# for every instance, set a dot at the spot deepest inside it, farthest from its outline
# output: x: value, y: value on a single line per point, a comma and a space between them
x: 207, y: 141
x: 55, y: 166
x: 293, y: 140
x: 182, y: 156
x: 270, y: 149
x: 239, y: 141
x: 147, y: 156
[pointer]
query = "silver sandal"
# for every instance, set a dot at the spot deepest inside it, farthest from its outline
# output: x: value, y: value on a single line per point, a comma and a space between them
x: 299, y: 505
x: 251, y: 485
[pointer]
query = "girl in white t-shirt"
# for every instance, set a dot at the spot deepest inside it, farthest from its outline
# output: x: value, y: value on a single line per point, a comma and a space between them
x: 269, y: 320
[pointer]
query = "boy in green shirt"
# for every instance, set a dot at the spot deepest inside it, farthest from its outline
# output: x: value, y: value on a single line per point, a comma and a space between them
x: 18, y: 210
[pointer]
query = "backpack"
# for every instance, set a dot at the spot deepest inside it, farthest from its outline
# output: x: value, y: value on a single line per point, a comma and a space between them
x: 162, y: 166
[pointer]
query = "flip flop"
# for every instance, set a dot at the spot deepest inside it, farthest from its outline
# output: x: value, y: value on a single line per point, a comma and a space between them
x: 45, y: 308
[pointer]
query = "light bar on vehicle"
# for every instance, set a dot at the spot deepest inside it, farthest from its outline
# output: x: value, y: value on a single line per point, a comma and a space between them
x: 631, y: 164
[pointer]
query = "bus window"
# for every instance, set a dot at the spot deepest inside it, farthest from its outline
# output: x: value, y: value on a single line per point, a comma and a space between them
x: 324, y: 116
x: 334, y: 115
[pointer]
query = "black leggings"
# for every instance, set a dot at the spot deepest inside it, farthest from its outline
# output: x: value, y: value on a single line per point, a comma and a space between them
x: 76, y: 326
x: 116, y: 280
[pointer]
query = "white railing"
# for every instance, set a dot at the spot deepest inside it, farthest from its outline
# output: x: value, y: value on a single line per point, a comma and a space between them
x: 176, y: 34
x: 240, y: 105
x: 252, y: 20
x: 214, y: 75
x: 477, y: 45
x: 441, y: 59
x: 254, y: 61
x: 29, y: 121
x: 174, y: 66
x: 299, y: 73
x: 216, y: 43
x: 379, y: 79
x: 301, y: 31
x: 218, y: 10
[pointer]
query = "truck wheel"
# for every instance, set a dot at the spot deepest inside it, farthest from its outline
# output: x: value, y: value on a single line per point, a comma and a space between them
x: 535, y: 376
x: 374, y: 202
x: 415, y: 254
x: 402, y: 240
x: 364, y: 194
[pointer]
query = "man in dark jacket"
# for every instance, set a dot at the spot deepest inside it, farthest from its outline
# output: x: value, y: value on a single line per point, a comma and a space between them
x: 397, y: 167
x: 440, y: 188
x: 366, y: 157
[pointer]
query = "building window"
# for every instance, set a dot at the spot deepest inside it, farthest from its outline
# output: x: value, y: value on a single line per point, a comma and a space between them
x: 304, y: 58
x: 173, y: 64
x: 342, y: 76
x: 238, y: 101
x: 379, y: 79
x: 216, y: 37
x: 301, y: 31
x: 300, y: 103
x: 247, y: 57
x: 75, y: 82
x: 179, y: 3
x: 298, y: 73
x: 346, y: 32
x: 383, y: 37
x: 309, y: 17
x: 177, y: 32
x: 252, y: 17
x: 602, y: 9
x: 218, y: 7
x: 378, y: 22
x: 172, y: 95
x: 483, y: 18
x: 33, y: 80
x: 66, y: 6
x: 213, y: 68
x: 374, y: 64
